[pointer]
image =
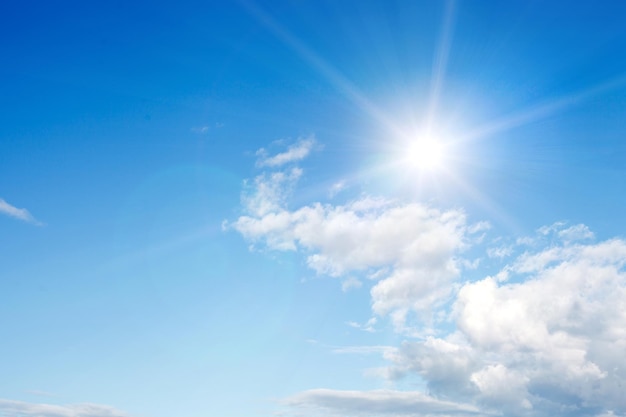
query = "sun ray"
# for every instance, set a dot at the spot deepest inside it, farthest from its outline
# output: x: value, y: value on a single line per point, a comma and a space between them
x: 331, y: 74
x: 484, y: 202
x: 417, y: 150
x: 540, y: 111
x: 440, y: 63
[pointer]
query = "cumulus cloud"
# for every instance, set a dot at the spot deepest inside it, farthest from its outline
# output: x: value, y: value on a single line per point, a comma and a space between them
x: 544, y: 335
x: 548, y: 340
x: 375, y: 403
x: 558, y: 328
x: 294, y: 153
x: 446, y: 365
x: 11, y: 408
x: 412, y: 248
x: 18, y: 213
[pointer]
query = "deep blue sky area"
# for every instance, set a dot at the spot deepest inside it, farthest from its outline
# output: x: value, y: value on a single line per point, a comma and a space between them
x: 312, y: 208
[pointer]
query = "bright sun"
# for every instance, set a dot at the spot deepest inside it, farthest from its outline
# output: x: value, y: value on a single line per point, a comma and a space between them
x: 425, y: 154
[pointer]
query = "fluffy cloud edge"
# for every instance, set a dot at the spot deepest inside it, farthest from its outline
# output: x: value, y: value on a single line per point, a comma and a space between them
x: 414, y: 247
x: 523, y: 341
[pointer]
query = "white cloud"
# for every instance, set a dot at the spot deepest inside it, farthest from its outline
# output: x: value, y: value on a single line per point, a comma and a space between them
x: 368, y: 326
x: 374, y: 403
x: 570, y: 234
x: 554, y: 227
x: 543, y: 336
x: 336, y: 188
x: 445, y: 364
x: 558, y: 330
x: 12, y: 408
x: 268, y: 193
x: 294, y: 153
x: 416, y: 245
x: 18, y: 213
x: 574, y: 233
x: 547, y: 341
x: 502, y: 387
x: 550, y: 341
x: 500, y: 252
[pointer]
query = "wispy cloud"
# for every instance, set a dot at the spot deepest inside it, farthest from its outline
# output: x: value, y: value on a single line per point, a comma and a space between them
x: 200, y: 129
x: 294, y: 153
x: 363, y: 350
x: 351, y: 283
x: 24, y: 409
x: 336, y: 188
x: 205, y: 128
x: 367, y: 326
x: 17, y: 213
x: 374, y: 403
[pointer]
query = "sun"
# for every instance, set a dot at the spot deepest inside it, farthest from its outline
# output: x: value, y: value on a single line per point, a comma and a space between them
x: 425, y: 154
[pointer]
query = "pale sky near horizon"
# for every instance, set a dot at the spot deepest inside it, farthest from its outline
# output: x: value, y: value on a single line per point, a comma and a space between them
x: 312, y: 208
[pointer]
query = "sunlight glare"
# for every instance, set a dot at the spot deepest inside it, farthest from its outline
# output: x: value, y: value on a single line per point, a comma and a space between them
x: 425, y: 154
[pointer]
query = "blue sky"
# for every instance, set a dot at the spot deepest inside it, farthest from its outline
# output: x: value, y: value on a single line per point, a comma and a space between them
x: 312, y: 208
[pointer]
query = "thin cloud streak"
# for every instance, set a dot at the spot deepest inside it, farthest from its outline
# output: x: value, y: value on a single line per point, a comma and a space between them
x: 375, y: 403
x: 17, y: 213
x: 24, y: 409
x: 294, y: 153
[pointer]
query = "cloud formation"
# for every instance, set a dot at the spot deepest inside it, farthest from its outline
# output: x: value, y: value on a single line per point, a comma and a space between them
x: 11, y: 408
x: 556, y: 326
x: 17, y: 213
x: 545, y: 335
x: 409, y: 249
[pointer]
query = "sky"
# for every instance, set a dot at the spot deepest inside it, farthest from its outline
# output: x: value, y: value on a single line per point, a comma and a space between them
x: 306, y: 208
